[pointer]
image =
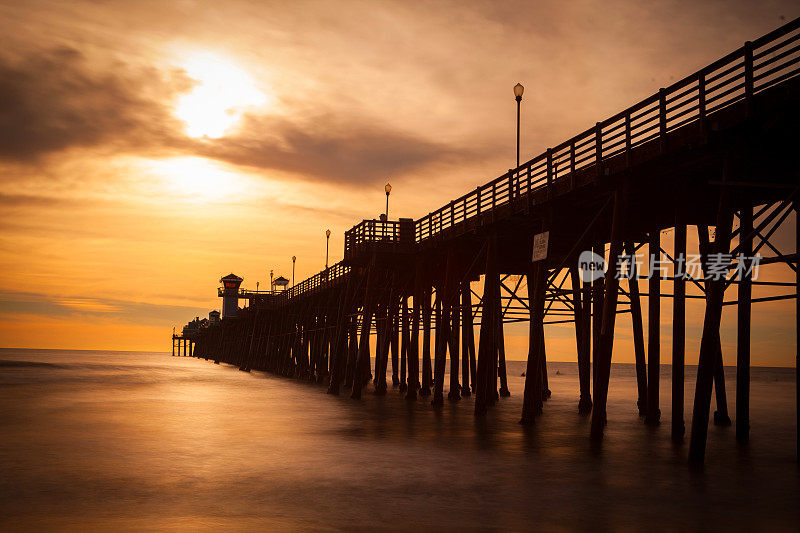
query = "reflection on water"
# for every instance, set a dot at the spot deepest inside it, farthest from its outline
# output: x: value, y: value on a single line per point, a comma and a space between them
x: 135, y: 441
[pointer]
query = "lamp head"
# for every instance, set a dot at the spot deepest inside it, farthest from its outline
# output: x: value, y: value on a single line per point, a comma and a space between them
x: 518, y: 90
x: 328, y: 233
x: 388, y: 189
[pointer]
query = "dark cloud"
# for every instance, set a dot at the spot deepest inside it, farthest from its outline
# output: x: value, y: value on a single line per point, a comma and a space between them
x: 57, y: 99
x: 326, y: 148
x: 27, y: 200
x: 12, y: 302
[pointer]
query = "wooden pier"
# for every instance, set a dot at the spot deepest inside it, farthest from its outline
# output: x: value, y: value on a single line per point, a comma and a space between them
x: 186, y: 342
x: 715, y: 147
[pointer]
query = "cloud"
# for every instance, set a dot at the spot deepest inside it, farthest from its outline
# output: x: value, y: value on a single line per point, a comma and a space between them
x: 8, y: 201
x: 327, y: 148
x: 55, y: 99
x: 14, y: 303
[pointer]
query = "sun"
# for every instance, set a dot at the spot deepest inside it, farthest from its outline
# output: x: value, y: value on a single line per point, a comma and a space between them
x: 222, y: 94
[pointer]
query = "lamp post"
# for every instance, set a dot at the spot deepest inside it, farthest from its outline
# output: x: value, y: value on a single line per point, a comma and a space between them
x: 388, y: 189
x: 271, y: 285
x: 327, y: 243
x: 518, y: 90
x: 294, y: 258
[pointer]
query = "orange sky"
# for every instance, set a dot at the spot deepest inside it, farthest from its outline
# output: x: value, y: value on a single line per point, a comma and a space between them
x: 147, y: 148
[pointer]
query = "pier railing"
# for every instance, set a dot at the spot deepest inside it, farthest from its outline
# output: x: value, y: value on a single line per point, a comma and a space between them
x: 333, y: 274
x: 369, y: 234
x: 248, y: 294
x: 754, y: 67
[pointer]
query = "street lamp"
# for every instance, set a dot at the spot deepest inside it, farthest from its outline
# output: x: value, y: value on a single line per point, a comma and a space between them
x: 388, y: 189
x: 327, y: 243
x: 518, y: 90
x: 294, y: 258
x: 271, y: 285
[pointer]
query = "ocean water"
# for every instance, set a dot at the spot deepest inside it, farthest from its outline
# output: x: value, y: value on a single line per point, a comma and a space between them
x: 144, y: 441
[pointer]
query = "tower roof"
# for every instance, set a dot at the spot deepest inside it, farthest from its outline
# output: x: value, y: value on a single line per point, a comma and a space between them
x: 231, y: 277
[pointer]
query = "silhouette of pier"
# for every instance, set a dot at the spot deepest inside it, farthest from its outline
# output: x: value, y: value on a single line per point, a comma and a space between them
x: 716, y: 147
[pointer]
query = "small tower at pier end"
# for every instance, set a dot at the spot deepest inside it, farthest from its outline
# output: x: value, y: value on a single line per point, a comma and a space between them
x: 230, y: 295
x: 279, y: 284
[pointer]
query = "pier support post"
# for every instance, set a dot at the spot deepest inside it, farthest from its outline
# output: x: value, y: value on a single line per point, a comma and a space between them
x: 413, y: 348
x: 444, y: 305
x: 532, y: 397
x: 246, y: 360
x: 744, y: 296
x: 710, y: 342
x: 494, y: 357
x: 455, y: 327
x: 389, y: 339
x: 380, y: 315
x: 383, y: 345
x: 653, y: 416
x: 543, y: 372
x: 361, y: 374
x: 220, y: 343
x: 487, y: 349
x: 425, y: 390
x: 406, y: 343
x: 329, y: 334
x: 303, y: 344
x: 467, y: 341
x: 606, y: 340
x: 440, y: 344
x: 721, y: 416
x: 581, y: 340
x: 598, y: 291
x: 638, y: 330
x: 362, y: 365
x: 501, y: 350
x: 678, y: 428
x: 394, y: 321
x: 352, y: 348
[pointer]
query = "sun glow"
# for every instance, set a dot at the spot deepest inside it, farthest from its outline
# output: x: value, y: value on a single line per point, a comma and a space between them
x: 198, y: 179
x: 222, y: 94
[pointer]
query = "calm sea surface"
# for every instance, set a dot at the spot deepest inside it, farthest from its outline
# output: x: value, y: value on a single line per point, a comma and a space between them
x: 139, y: 441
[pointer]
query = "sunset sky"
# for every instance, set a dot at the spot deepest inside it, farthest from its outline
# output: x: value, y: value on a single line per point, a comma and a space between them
x: 147, y: 148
